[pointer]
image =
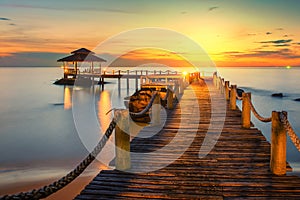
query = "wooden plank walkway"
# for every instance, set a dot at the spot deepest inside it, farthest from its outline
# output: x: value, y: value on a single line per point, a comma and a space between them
x: 236, y: 168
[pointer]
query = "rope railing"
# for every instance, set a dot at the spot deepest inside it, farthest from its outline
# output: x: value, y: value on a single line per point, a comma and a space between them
x: 280, y: 124
x: 289, y: 129
x: 256, y: 114
x: 47, y: 190
x: 238, y: 97
x: 120, y: 117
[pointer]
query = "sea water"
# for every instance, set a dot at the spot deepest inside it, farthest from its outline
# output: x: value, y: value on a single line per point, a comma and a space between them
x: 38, y: 135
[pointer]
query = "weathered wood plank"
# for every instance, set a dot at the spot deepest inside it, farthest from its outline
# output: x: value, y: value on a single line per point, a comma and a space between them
x: 236, y: 168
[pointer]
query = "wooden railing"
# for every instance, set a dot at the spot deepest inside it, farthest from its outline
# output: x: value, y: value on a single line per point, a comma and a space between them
x: 280, y: 124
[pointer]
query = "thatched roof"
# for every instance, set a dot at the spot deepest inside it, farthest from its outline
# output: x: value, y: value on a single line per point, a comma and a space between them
x: 81, y: 55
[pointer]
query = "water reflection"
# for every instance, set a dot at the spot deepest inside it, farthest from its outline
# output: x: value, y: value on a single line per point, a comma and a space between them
x: 67, y: 98
x: 104, y: 105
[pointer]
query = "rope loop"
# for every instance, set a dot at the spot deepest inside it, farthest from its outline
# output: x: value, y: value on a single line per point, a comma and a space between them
x: 238, y: 97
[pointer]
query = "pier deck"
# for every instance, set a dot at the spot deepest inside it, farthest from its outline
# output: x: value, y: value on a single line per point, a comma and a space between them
x: 236, y: 168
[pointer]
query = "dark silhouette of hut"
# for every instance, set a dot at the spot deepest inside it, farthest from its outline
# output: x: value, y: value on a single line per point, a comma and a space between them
x: 79, y: 55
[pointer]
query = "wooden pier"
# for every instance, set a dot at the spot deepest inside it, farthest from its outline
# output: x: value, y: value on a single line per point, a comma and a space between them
x: 238, y: 167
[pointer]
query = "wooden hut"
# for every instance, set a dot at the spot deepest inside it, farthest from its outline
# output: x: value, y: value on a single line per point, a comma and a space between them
x: 70, y: 63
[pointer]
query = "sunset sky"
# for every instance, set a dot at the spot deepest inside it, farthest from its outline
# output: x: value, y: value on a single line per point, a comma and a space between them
x: 233, y: 32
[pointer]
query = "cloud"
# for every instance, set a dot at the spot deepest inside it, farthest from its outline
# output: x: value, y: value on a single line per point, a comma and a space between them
x: 268, y: 33
x: 280, y: 53
x: 4, y: 19
x: 279, y: 29
x: 276, y: 41
x: 281, y: 45
x: 213, y: 8
x: 70, y: 7
x: 251, y: 34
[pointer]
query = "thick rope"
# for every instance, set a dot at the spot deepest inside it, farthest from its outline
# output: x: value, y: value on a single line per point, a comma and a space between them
x: 228, y: 87
x: 147, y: 107
x: 295, y: 139
x: 45, y: 191
x: 259, y: 117
x: 238, y: 97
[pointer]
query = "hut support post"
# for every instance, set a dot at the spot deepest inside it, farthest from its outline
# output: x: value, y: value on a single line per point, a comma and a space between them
x: 65, y: 74
x: 246, y: 110
x: 278, y: 146
x: 122, y: 140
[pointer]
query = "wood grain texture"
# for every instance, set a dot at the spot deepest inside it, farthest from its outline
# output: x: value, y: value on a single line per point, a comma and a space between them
x: 236, y: 168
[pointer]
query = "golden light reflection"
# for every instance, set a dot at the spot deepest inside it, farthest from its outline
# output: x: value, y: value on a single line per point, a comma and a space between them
x: 104, y: 105
x: 67, y: 98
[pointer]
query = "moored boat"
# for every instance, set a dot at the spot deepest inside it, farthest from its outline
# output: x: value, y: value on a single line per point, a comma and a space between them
x: 140, y: 99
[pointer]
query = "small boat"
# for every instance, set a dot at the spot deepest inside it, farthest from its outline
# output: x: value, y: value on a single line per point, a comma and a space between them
x: 140, y: 99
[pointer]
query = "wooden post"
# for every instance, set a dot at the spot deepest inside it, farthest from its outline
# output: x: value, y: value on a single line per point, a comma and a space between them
x: 227, y: 90
x: 246, y: 110
x: 181, y: 86
x: 214, y: 79
x: 233, y: 97
x: 127, y: 81
x: 170, y: 100
x: 122, y: 140
x: 156, y: 110
x: 278, y: 146
x: 221, y: 85
x: 136, y: 82
x: 102, y: 82
x: 176, y: 90
x: 119, y: 86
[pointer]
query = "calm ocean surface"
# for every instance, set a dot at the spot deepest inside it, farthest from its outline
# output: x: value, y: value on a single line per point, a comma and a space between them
x: 38, y: 138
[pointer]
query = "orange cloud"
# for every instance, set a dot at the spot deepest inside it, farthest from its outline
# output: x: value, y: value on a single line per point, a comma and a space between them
x: 149, y: 55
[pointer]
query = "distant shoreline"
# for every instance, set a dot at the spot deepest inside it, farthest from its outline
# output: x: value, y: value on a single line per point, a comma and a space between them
x: 153, y: 67
x: 29, y: 66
